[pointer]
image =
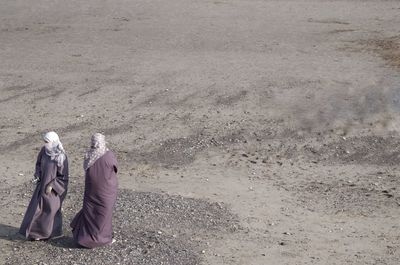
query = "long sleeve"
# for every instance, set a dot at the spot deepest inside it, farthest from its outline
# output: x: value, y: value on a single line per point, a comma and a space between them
x: 60, y: 183
x: 112, y: 163
x: 38, y: 166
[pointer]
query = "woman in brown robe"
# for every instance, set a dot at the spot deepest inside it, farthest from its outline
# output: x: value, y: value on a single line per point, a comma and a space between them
x: 43, y: 218
x: 92, y: 225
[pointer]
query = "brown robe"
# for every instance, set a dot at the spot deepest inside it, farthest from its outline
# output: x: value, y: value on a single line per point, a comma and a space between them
x: 43, y: 218
x: 92, y: 225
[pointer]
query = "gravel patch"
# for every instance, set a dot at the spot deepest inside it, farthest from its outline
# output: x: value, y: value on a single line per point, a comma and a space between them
x: 149, y: 228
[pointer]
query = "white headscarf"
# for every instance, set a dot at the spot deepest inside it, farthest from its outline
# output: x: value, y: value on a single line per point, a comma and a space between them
x: 97, y: 149
x: 54, y: 148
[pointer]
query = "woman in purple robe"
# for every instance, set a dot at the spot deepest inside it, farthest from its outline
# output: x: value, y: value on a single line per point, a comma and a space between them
x: 43, y: 218
x: 92, y: 225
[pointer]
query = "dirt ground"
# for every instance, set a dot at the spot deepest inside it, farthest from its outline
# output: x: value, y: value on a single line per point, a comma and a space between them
x: 247, y: 131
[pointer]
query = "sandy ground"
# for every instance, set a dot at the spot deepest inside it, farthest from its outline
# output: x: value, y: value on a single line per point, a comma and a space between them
x: 248, y: 132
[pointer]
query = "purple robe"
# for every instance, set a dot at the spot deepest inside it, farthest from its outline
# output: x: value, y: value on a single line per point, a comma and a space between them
x: 92, y: 225
x: 43, y: 218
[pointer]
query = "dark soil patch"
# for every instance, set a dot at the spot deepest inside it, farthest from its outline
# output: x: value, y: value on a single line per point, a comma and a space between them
x: 351, y: 198
x: 89, y: 92
x: 31, y: 138
x: 336, y: 31
x: 231, y: 99
x: 387, y: 48
x: 171, y: 152
x: 374, y: 150
x: 328, y: 21
x: 18, y: 87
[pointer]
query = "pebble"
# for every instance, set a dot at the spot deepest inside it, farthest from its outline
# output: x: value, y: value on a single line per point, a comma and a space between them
x: 140, y: 212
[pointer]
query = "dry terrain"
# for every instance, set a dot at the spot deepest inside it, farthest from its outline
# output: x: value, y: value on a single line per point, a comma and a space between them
x: 247, y: 131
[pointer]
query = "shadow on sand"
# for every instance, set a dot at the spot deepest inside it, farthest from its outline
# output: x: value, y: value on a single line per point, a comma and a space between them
x: 63, y: 242
x: 10, y: 233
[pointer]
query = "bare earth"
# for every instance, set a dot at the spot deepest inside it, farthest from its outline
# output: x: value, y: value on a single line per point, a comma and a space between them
x: 248, y: 132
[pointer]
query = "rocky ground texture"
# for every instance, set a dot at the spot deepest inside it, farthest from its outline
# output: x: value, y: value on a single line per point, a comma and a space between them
x: 247, y: 132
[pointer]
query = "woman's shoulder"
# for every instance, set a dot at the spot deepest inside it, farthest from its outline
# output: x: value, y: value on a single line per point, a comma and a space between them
x: 110, y: 154
x: 110, y: 157
x: 42, y: 151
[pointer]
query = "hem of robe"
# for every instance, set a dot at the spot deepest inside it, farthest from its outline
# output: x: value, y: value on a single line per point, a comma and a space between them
x: 76, y: 227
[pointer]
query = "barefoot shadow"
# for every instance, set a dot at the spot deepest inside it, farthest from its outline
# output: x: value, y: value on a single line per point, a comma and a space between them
x: 10, y: 233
